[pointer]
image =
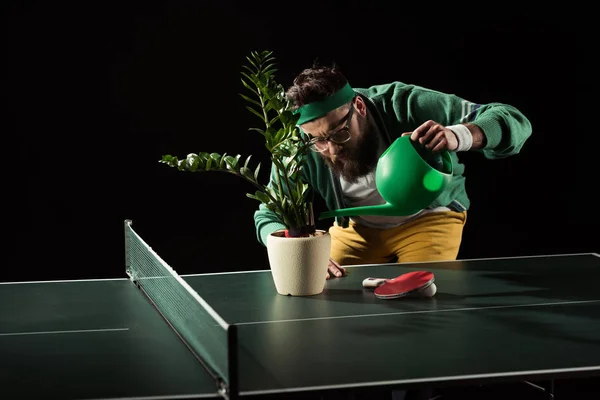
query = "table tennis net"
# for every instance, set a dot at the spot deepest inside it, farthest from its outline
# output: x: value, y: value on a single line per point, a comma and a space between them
x: 201, y: 328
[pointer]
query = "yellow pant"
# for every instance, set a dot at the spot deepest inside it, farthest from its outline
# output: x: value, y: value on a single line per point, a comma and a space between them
x: 432, y: 237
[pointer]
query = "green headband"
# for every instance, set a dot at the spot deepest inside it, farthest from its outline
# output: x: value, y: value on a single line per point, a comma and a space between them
x: 317, y: 109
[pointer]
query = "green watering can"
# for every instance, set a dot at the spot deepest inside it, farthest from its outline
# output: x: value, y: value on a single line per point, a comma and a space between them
x: 409, y: 177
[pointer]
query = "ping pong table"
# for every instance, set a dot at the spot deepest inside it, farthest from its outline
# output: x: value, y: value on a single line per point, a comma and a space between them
x: 158, y: 335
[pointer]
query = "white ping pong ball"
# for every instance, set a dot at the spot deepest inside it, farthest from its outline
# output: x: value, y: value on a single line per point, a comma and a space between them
x: 429, y: 291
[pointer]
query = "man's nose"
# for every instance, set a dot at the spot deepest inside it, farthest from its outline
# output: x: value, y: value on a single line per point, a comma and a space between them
x: 332, y: 148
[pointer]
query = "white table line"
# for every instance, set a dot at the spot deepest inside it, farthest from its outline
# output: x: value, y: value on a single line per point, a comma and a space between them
x: 548, y: 372
x: 63, y: 332
x: 559, y: 303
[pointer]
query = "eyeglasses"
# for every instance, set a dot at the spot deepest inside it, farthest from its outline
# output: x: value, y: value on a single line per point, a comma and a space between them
x: 340, y: 136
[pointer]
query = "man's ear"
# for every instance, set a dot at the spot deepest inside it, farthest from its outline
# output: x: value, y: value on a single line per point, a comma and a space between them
x: 361, y: 107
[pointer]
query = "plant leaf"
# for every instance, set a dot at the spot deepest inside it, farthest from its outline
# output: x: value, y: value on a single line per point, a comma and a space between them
x: 248, y: 99
x: 256, y: 172
x: 253, y: 111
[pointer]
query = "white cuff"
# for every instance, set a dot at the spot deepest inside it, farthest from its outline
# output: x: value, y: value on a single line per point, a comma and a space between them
x: 463, y: 135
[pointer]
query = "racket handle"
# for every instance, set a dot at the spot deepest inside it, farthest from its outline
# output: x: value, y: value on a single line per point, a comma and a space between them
x: 373, y: 282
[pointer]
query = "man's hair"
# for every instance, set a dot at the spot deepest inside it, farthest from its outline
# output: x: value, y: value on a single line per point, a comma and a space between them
x: 314, y: 84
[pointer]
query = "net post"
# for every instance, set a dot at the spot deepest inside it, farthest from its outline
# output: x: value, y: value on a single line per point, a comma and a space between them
x: 232, y: 362
x: 127, y: 223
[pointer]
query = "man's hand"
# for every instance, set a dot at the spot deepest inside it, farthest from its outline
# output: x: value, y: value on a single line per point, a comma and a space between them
x: 437, y: 137
x: 434, y: 136
x: 334, y: 269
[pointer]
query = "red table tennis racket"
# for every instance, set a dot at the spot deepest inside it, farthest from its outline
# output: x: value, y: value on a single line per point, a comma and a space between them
x: 403, y: 285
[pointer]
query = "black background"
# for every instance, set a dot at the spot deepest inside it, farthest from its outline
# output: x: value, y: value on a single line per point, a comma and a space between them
x: 97, y: 92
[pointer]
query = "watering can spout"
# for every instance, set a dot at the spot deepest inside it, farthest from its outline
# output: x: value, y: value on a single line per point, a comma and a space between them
x: 381, y: 209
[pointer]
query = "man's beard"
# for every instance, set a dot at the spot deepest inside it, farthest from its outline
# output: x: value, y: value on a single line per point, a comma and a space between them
x: 359, y: 160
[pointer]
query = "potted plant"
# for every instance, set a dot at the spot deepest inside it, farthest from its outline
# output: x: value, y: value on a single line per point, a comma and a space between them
x: 299, y: 254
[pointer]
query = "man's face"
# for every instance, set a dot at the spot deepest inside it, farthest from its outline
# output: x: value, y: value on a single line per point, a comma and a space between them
x: 358, y: 155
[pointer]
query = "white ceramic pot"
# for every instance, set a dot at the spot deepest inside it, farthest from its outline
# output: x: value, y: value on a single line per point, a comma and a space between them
x: 299, y: 264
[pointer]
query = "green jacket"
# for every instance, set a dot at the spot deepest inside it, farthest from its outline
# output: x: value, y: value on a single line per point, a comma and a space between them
x: 397, y: 108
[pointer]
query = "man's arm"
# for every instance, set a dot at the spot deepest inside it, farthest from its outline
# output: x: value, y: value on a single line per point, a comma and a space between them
x: 479, y: 139
x: 498, y: 130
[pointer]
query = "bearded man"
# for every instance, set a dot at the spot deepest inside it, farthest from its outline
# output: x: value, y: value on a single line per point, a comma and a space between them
x: 350, y: 128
